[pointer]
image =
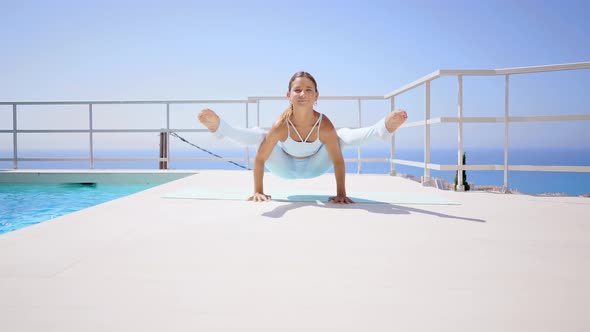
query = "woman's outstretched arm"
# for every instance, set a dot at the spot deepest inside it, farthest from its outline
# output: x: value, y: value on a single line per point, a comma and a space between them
x: 264, y: 151
x: 330, y: 139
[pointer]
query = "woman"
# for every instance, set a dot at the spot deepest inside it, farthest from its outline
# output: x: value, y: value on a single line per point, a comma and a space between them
x: 296, y: 156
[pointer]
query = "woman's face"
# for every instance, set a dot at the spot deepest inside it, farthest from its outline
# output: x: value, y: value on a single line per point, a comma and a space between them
x: 303, y: 92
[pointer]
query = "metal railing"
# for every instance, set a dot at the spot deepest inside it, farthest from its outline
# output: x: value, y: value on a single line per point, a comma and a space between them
x: 426, y: 123
x: 460, y: 120
x: 15, y: 131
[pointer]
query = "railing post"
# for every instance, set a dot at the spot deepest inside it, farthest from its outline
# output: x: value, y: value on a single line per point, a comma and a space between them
x: 392, y: 164
x: 91, y: 136
x: 247, y: 147
x: 460, y: 186
x: 163, y: 150
x: 359, y: 150
x: 426, y: 177
x: 14, y: 144
x: 506, y: 123
x: 257, y: 112
x: 167, y: 135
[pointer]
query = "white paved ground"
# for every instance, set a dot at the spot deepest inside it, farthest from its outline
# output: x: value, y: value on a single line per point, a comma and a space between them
x: 144, y: 263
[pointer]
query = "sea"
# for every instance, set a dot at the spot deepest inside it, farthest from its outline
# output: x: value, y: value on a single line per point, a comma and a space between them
x: 529, y: 182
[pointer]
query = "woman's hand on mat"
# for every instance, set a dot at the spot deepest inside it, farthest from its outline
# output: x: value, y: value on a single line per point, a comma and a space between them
x: 340, y: 199
x: 259, y: 197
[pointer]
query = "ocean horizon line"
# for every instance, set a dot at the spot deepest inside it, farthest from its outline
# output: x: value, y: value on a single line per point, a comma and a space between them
x: 531, y: 182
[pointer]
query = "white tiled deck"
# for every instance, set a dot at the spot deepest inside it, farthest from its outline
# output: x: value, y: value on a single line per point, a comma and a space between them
x: 144, y: 263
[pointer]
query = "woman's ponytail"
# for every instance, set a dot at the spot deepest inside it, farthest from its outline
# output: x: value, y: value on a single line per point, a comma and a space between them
x: 286, y: 114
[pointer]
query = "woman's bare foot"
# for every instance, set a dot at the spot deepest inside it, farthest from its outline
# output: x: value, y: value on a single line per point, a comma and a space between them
x: 209, y: 119
x: 395, y: 119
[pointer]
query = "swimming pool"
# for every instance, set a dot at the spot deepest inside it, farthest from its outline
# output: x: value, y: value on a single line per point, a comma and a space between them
x: 25, y: 204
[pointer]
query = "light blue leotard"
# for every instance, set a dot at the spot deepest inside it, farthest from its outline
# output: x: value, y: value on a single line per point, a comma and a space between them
x: 302, y: 148
x: 315, y: 159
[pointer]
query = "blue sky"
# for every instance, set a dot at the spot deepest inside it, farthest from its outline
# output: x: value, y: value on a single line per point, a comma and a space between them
x: 153, y: 50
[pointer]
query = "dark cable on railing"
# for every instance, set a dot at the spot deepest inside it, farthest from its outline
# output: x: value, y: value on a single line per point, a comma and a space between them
x: 200, y: 148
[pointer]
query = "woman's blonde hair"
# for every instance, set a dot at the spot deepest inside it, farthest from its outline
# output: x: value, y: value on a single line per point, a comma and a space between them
x: 289, y: 111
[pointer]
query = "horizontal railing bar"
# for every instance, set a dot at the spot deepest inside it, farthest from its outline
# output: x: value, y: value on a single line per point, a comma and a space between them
x: 418, y: 164
x: 56, y: 131
x: 549, y: 168
x: 46, y: 159
x: 520, y: 168
x: 62, y: 131
x: 172, y: 130
x: 487, y: 72
x: 556, y: 118
x: 420, y: 123
x: 348, y: 160
x: 544, y: 68
x: 576, y: 117
x: 541, y: 118
x: 474, y: 167
x: 242, y: 159
x: 115, y: 102
x: 472, y: 119
x: 130, y: 159
x: 368, y: 160
x: 163, y: 130
x: 85, y: 159
x: 453, y: 167
x: 433, y: 166
x: 257, y: 98
x: 143, y: 102
x: 416, y: 83
x: 126, y: 159
x: 467, y: 72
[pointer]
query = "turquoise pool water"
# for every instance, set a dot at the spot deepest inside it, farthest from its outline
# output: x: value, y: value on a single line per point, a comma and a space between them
x: 22, y: 205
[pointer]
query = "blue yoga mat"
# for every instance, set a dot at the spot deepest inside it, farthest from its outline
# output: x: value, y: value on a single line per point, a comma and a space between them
x: 313, y: 196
